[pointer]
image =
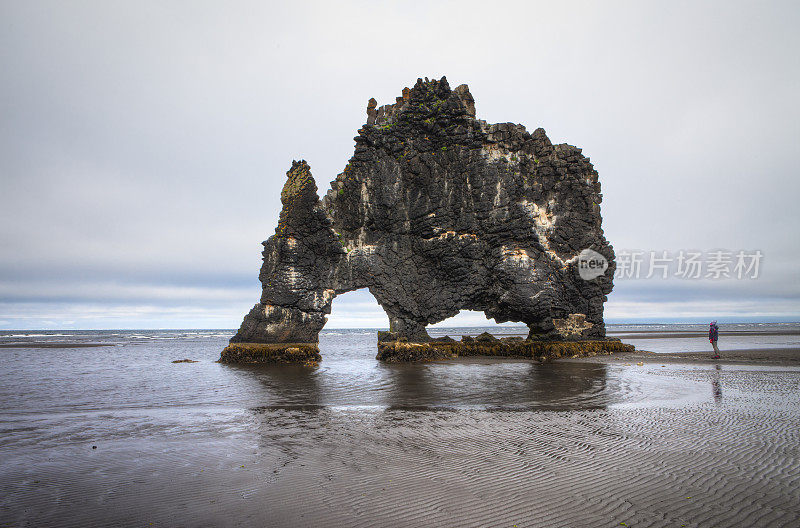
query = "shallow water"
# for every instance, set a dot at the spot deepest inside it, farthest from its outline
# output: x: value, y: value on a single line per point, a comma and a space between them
x: 358, y: 442
x: 137, y: 373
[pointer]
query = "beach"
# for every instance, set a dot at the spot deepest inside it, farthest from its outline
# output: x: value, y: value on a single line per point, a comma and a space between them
x: 119, y: 435
x: 247, y: 281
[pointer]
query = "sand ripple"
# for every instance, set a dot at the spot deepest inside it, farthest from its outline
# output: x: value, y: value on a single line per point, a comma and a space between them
x: 728, y: 458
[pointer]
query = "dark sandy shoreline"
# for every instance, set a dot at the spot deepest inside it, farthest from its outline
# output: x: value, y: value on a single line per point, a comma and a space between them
x: 762, y: 356
x: 648, y: 334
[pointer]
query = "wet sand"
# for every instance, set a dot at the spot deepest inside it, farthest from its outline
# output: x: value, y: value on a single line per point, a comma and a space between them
x: 725, y: 457
x: 398, y: 468
x: 649, y: 334
x: 756, y: 356
x: 681, y: 440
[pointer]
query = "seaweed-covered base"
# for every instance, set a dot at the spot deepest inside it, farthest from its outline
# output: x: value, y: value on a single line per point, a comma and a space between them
x: 303, y: 353
x: 487, y: 345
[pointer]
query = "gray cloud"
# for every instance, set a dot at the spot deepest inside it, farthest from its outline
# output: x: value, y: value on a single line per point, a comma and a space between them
x: 143, y: 145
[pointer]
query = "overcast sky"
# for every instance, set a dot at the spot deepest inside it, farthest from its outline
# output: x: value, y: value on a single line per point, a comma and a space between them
x: 143, y: 145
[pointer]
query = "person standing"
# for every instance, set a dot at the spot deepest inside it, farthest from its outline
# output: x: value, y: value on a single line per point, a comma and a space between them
x: 713, y: 335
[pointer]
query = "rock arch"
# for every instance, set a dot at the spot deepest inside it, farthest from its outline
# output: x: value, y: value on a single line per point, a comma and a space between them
x: 438, y: 212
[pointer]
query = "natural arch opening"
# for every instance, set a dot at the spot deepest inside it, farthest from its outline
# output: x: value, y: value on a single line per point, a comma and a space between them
x: 356, y: 309
x: 472, y: 323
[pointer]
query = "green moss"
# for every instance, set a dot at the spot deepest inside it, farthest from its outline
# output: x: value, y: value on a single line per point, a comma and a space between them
x: 302, y: 353
x: 401, y: 351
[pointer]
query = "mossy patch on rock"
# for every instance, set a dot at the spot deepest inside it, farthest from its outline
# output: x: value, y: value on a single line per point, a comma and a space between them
x: 304, y: 353
x: 403, y: 351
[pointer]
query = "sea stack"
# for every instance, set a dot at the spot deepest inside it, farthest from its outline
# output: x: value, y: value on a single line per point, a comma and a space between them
x: 436, y: 212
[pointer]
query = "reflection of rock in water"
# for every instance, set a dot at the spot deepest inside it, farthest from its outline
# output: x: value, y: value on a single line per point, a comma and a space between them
x: 284, y: 386
x: 413, y: 387
x: 571, y: 385
x: 289, y: 416
x: 499, y: 385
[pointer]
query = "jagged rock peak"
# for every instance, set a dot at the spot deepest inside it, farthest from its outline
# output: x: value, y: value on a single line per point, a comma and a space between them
x: 429, y: 97
x: 299, y: 183
x: 301, y: 213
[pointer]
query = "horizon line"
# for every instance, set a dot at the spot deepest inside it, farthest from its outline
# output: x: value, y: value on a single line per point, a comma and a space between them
x: 377, y: 328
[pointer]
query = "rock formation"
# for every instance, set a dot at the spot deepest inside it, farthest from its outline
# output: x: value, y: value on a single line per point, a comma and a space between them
x: 437, y: 212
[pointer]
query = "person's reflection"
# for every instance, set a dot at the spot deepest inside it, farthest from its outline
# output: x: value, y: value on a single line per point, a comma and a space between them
x: 716, y: 384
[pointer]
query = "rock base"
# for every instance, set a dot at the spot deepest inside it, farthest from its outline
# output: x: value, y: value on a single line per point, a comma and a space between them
x: 265, y: 353
x: 434, y: 350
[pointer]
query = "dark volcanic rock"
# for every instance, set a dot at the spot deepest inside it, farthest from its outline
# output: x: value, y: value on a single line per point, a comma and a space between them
x: 486, y: 337
x: 438, y: 212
